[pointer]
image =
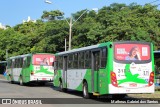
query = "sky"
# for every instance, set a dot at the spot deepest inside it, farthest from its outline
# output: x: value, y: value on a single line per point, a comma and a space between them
x: 13, y: 12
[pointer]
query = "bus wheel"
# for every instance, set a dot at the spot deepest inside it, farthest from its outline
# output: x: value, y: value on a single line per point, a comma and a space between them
x: 21, y: 81
x: 85, y: 90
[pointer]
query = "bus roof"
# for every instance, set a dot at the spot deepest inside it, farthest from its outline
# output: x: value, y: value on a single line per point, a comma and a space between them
x: 83, y: 48
x: 20, y: 56
x: 1, y: 62
x: 96, y: 46
x: 157, y: 51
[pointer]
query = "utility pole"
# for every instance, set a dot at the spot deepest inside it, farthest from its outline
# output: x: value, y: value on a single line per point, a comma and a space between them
x: 70, y: 33
x: 65, y: 44
x: 71, y: 23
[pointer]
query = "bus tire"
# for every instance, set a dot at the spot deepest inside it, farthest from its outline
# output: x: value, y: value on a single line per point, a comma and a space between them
x: 21, y: 81
x: 85, y: 90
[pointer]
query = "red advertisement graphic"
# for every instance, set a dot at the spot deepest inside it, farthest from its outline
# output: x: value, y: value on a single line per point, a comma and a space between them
x: 43, y: 59
x: 132, y: 52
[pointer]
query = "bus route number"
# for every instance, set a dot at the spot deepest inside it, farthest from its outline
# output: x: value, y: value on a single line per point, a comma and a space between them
x: 146, y: 73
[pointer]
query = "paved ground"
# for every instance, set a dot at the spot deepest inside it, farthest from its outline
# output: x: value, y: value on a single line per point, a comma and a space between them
x: 1, y: 76
x: 8, y: 90
x: 155, y: 95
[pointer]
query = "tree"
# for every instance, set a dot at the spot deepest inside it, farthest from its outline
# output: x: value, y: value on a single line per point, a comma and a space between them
x: 52, y: 15
x: 117, y: 22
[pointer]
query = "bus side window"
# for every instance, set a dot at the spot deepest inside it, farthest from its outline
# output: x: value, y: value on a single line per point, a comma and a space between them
x: 81, y: 60
x: 88, y: 59
x: 28, y: 61
x: 55, y: 65
x: 70, y: 61
x: 96, y: 61
x: 103, y: 57
x: 13, y: 63
x: 75, y: 61
x: 24, y: 62
x: 9, y: 63
x: 21, y: 62
x: 60, y: 62
x: 57, y: 59
x: 18, y: 61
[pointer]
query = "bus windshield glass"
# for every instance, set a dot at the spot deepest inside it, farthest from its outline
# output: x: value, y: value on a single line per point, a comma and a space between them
x: 132, y: 52
x: 43, y: 59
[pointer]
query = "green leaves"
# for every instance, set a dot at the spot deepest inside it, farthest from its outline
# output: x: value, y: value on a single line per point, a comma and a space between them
x: 111, y: 23
x: 52, y: 15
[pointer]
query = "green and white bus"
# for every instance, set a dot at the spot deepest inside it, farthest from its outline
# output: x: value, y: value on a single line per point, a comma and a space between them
x: 30, y: 68
x: 114, y: 68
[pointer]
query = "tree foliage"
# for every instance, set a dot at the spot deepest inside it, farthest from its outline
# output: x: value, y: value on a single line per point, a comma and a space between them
x: 52, y: 15
x: 117, y: 22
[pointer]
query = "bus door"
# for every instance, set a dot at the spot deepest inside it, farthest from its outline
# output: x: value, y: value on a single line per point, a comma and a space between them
x: 25, y: 71
x: 95, y: 70
x: 64, y: 72
x: 12, y: 68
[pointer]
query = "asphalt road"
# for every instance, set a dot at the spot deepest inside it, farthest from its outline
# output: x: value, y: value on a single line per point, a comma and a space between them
x: 53, y: 95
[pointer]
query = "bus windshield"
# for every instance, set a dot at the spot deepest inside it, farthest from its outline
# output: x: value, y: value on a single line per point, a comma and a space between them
x: 132, y: 52
x: 43, y: 59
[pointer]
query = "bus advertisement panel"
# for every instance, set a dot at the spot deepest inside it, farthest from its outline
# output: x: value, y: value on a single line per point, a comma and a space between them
x: 132, y: 52
x: 43, y: 59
